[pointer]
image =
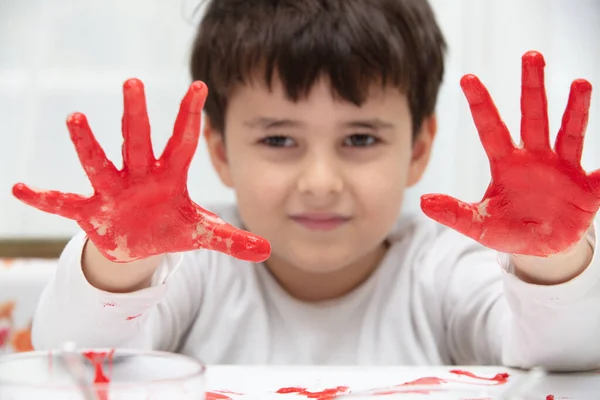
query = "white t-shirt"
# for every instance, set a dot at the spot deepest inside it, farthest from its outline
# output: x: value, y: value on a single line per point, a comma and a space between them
x: 437, y: 298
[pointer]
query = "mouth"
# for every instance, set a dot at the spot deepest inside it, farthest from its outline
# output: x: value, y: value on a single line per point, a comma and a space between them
x: 320, y: 222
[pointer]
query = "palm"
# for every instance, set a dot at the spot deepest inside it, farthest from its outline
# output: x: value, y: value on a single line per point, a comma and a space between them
x: 540, y: 201
x: 144, y: 209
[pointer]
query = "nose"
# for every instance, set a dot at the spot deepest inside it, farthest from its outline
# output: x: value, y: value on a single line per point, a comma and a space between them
x: 320, y: 177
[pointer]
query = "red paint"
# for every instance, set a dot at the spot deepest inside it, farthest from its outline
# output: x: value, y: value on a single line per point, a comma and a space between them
x: 326, y: 394
x: 216, y: 396
x: 97, y: 359
x: 133, y: 317
x: 423, y: 381
x: 430, y: 380
x: 100, y: 377
x: 500, y: 378
x: 108, y: 305
x: 144, y: 209
x: 550, y: 397
x: 540, y: 200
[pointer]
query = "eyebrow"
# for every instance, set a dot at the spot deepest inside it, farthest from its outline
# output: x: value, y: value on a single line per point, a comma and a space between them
x: 265, y: 123
x: 373, y: 123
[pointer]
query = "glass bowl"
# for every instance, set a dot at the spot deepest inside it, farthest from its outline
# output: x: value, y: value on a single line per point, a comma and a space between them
x: 106, y: 375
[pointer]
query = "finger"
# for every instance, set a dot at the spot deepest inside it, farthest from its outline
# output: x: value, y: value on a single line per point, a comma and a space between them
x: 534, y: 106
x: 181, y: 147
x: 67, y: 205
x: 463, y: 217
x: 138, y: 155
x: 212, y: 233
x: 100, y: 171
x: 569, y: 141
x: 493, y: 133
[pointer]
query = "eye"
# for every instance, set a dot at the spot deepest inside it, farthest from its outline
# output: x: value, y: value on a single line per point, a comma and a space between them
x: 277, y: 141
x: 360, y: 140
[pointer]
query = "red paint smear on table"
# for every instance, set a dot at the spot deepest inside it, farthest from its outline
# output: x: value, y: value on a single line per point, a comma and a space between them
x: 100, y: 377
x: 133, y: 317
x: 220, y: 395
x: 326, y: 394
x: 500, y: 378
x: 216, y: 396
x: 429, y: 380
x: 144, y: 209
x: 426, y: 381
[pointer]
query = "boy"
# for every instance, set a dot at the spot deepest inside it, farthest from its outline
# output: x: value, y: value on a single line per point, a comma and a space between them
x: 321, y: 113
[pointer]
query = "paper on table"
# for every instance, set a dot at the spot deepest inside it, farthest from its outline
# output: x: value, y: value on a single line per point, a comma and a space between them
x: 229, y: 382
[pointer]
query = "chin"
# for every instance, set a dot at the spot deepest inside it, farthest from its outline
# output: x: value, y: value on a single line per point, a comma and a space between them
x: 321, y: 262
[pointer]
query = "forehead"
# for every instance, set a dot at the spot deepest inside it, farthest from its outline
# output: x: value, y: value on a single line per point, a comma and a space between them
x: 257, y: 98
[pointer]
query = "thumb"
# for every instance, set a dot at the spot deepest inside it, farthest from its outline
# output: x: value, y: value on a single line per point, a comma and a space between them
x: 458, y: 215
x: 68, y: 205
x: 213, y: 233
x: 240, y: 244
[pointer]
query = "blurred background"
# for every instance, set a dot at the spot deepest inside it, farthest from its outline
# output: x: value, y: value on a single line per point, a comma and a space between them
x: 62, y: 56
x: 65, y: 55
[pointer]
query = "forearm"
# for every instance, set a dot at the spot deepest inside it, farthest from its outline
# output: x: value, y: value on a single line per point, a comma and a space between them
x: 71, y: 309
x: 555, y: 327
x: 555, y: 315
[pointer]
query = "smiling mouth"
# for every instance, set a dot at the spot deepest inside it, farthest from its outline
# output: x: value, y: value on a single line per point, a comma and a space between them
x: 320, y: 223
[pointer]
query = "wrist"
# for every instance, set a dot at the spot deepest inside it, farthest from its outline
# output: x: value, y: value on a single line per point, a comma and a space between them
x: 555, y: 269
x: 113, y: 277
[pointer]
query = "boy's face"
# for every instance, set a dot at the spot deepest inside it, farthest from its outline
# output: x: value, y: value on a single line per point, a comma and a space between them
x: 322, y: 179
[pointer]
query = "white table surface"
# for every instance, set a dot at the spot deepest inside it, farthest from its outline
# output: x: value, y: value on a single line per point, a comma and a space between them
x: 239, y: 382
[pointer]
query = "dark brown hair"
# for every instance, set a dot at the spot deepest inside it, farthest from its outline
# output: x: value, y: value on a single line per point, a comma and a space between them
x: 355, y: 43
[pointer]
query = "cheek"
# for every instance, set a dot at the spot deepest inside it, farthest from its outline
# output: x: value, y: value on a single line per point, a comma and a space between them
x: 382, y: 195
x: 258, y: 182
x: 379, y: 191
x: 382, y: 181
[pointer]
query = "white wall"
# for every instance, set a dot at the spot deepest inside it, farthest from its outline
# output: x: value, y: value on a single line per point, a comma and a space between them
x: 66, y: 55
x: 488, y: 38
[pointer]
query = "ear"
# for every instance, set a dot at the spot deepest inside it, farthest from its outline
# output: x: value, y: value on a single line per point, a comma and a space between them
x: 215, y: 143
x: 421, y: 151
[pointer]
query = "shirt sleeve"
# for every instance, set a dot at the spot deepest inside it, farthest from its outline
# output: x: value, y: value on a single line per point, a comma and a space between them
x: 71, y: 309
x: 493, y: 317
x: 556, y: 327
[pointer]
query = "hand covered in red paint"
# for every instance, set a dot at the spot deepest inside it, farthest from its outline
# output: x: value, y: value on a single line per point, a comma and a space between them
x: 144, y: 209
x: 540, y: 201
